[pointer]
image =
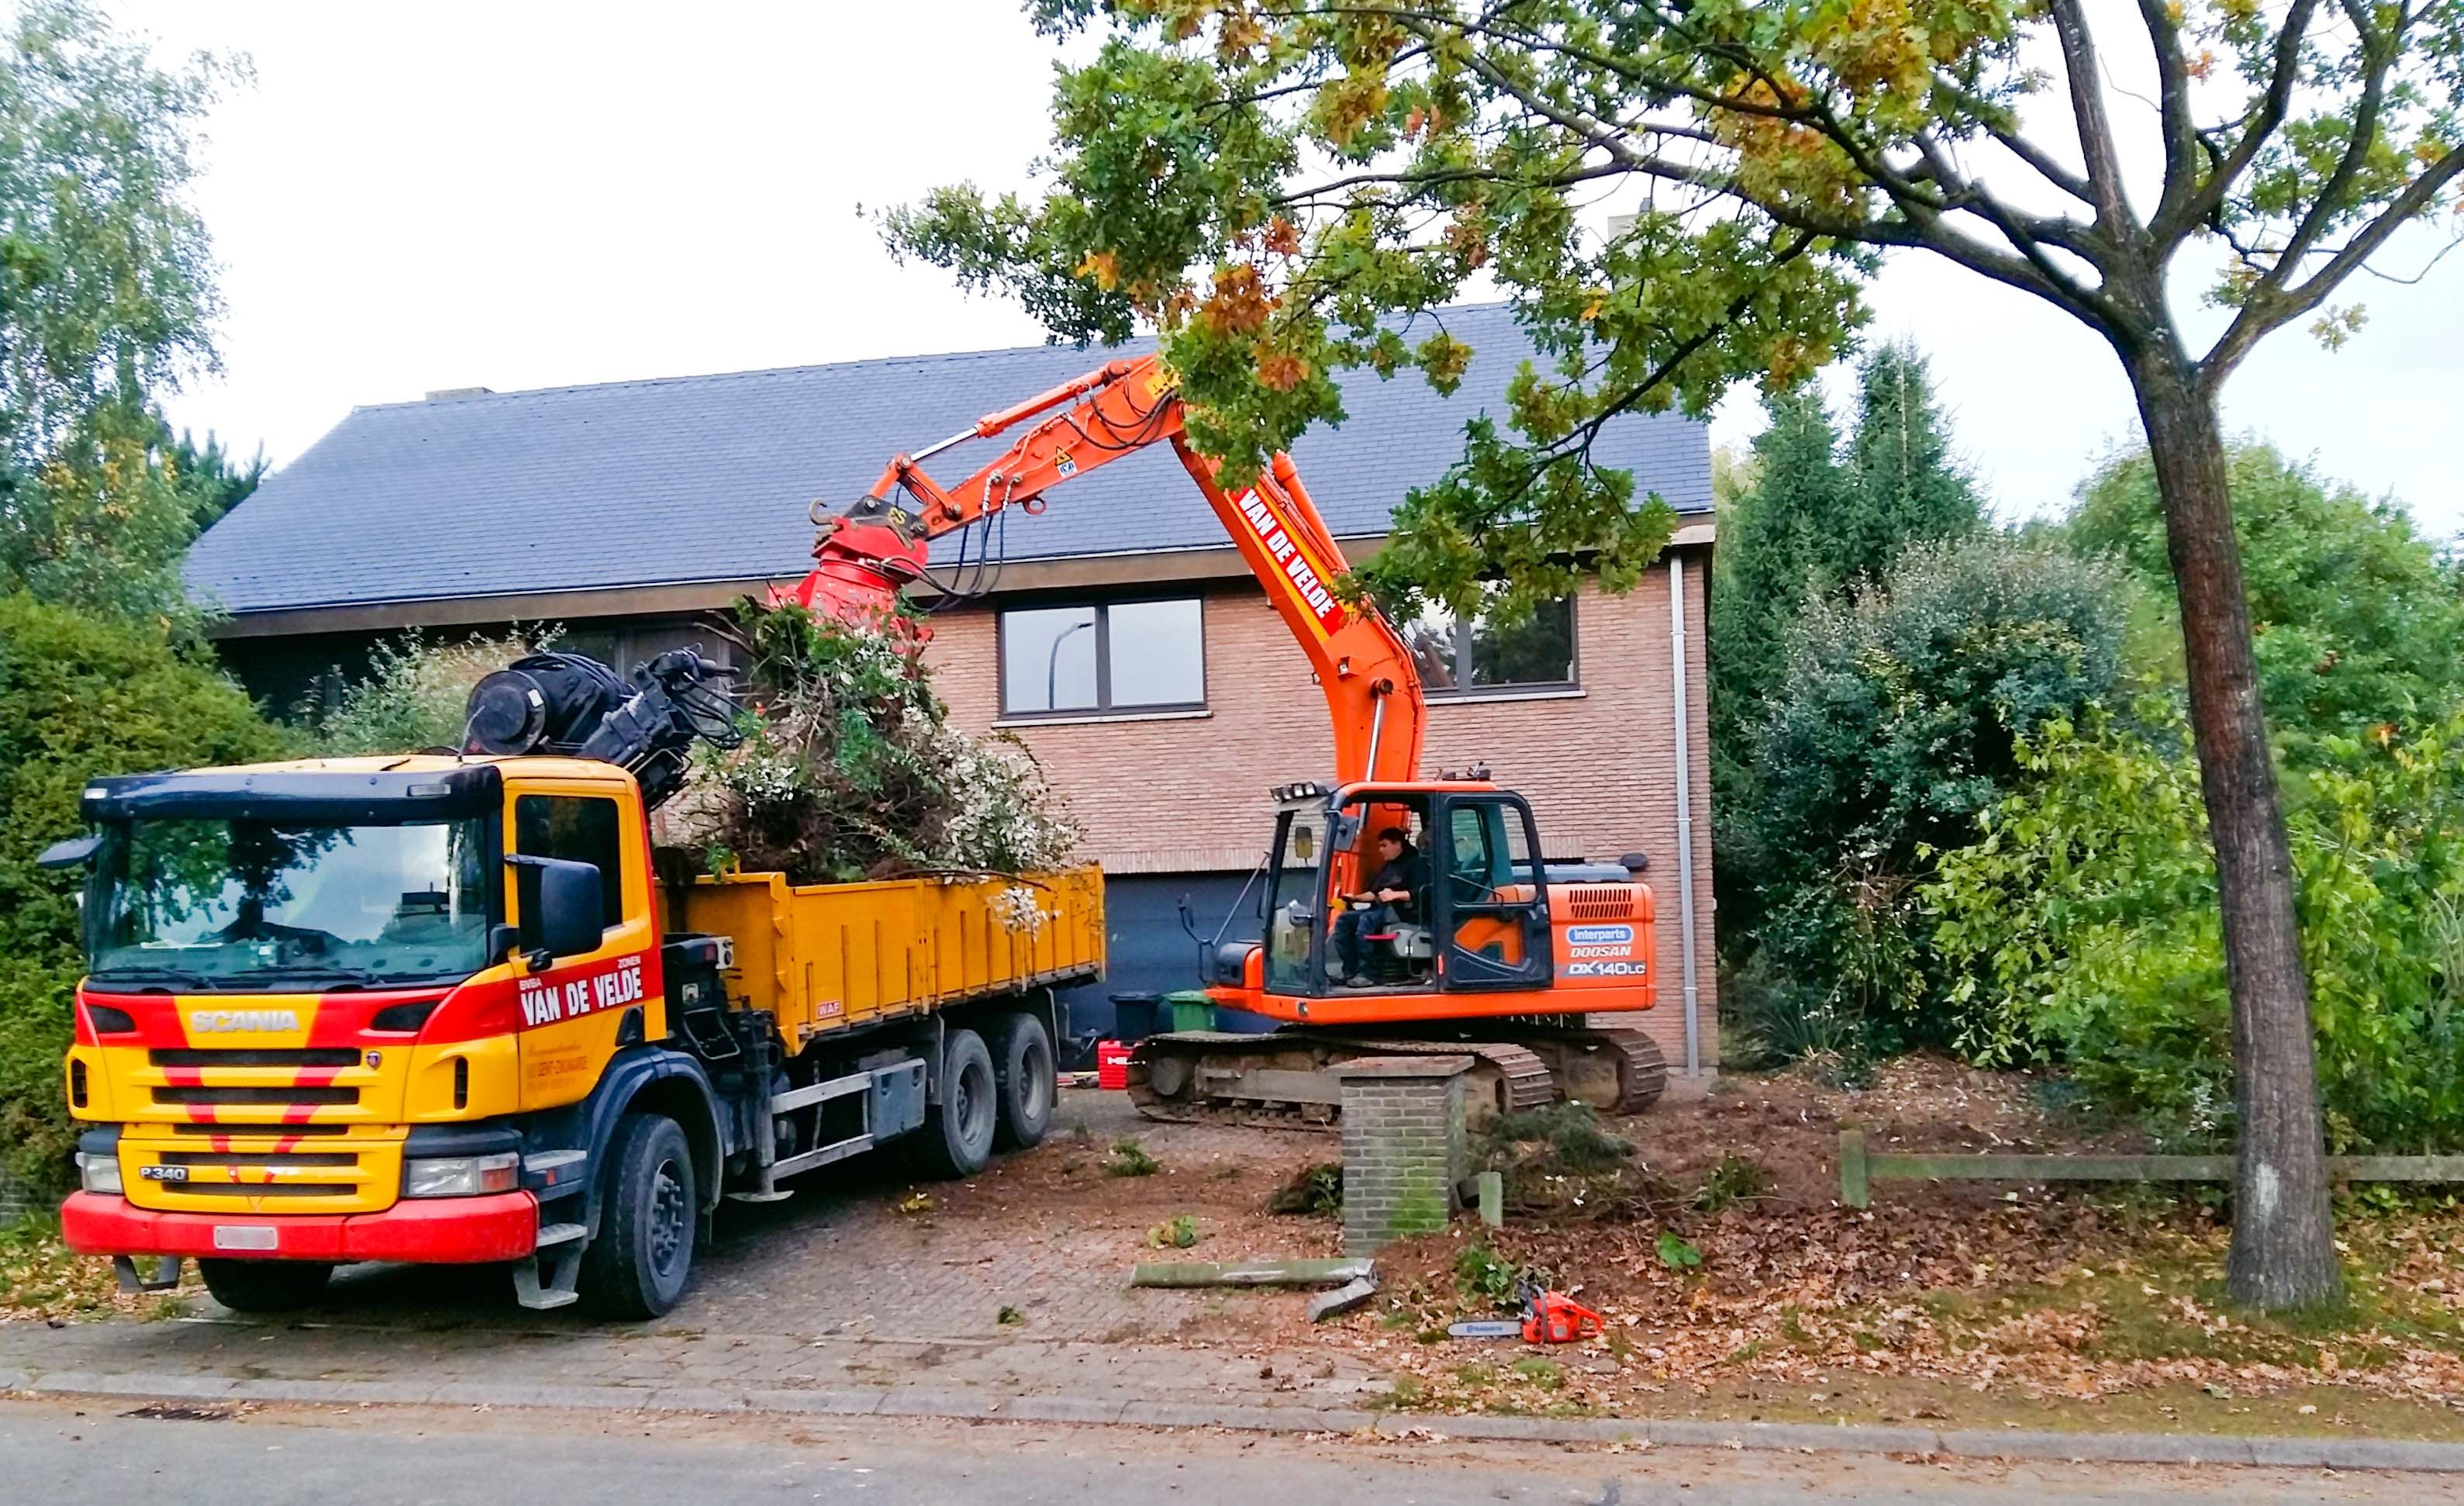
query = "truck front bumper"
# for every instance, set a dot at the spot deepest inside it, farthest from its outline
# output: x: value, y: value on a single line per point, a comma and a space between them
x: 503, y: 1226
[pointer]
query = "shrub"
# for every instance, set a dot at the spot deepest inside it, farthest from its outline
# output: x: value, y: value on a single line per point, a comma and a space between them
x: 2359, y: 619
x: 1733, y: 1181
x: 1897, y: 721
x: 415, y: 694
x: 79, y: 697
x: 1571, y: 1132
x: 2085, y: 927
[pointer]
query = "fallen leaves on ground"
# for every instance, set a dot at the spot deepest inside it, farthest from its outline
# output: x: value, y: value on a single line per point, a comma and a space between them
x: 2078, y: 1293
x: 41, y: 1279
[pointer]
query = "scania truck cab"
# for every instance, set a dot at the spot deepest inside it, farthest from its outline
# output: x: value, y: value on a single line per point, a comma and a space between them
x: 440, y: 1009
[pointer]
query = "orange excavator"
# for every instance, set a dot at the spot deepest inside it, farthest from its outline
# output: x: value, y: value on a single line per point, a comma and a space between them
x: 1402, y: 914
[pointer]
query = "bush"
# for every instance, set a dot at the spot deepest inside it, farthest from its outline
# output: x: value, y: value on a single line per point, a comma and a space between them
x: 1898, y: 720
x: 851, y: 770
x: 2359, y: 619
x: 2085, y: 928
x: 79, y: 697
x: 416, y: 693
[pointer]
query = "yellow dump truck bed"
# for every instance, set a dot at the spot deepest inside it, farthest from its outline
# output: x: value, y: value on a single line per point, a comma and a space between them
x: 824, y: 958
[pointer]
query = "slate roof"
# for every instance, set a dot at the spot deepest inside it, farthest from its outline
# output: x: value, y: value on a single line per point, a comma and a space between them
x: 684, y: 480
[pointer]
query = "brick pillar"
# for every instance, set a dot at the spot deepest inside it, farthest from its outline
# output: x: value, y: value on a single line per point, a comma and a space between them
x: 1404, y: 1146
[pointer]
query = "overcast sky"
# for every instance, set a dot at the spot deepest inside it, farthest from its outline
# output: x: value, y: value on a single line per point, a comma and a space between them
x: 460, y: 195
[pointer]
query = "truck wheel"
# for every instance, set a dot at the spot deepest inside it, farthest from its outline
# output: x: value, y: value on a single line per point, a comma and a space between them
x: 957, y: 1137
x: 1023, y: 1059
x: 648, y: 1215
x: 265, y: 1286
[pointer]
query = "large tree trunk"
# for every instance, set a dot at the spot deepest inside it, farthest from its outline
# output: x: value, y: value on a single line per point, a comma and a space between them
x: 2283, y: 1236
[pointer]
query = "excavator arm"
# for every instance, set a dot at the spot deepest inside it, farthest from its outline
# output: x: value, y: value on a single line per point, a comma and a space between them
x: 866, y: 555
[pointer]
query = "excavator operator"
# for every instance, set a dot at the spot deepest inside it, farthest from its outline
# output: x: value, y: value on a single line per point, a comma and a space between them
x: 1394, y: 896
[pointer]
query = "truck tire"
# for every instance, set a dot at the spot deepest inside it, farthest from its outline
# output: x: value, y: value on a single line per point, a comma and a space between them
x: 1021, y: 1050
x: 647, y: 1216
x: 956, y: 1138
x: 265, y: 1286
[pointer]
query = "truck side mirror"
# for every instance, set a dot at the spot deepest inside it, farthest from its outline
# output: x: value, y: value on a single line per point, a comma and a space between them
x: 71, y: 852
x: 561, y: 906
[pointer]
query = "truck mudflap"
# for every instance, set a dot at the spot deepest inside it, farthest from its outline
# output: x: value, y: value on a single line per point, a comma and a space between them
x: 474, y: 1230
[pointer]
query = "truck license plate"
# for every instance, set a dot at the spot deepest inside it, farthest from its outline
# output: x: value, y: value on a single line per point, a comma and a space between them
x: 163, y: 1173
x: 246, y: 1236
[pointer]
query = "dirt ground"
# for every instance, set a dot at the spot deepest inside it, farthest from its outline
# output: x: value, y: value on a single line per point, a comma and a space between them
x: 1727, y: 1270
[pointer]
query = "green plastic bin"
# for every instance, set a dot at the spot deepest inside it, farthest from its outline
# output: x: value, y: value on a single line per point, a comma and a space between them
x: 1188, y: 1009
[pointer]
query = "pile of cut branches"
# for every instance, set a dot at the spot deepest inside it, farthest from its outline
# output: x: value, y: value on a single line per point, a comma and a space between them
x: 850, y: 769
x: 1561, y: 1167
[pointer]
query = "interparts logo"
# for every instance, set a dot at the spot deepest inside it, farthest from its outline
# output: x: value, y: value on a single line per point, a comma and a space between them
x: 1601, y: 952
x: 220, y: 1022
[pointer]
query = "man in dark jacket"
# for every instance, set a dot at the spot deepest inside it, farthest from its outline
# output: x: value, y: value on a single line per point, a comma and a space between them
x: 1393, y: 895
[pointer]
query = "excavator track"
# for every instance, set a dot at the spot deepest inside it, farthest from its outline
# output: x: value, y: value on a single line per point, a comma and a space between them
x: 1615, y: 1068
x: 1280, y: 1080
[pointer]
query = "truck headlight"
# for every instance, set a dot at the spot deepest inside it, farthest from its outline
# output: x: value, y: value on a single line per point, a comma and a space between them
x: 461, y: 1176
x: 99, y: 1171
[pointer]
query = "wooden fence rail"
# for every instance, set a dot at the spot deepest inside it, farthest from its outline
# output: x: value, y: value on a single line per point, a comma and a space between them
x: 1859, y: 1168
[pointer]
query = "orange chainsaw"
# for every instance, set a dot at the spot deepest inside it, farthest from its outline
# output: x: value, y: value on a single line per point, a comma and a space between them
x: 1548, y: 1317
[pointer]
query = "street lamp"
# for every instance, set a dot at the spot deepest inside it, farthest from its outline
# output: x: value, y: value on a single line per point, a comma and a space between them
x: 1053, y: 663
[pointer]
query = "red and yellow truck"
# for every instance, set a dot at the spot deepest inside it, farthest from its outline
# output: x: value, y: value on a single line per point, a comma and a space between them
x: 442, y: 1009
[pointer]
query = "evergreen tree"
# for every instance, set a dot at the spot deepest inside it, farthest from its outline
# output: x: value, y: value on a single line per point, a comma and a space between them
x: 1813, y: 526
x: 1907, y: 486
x: 214, y: 480
x: 1770, y: 552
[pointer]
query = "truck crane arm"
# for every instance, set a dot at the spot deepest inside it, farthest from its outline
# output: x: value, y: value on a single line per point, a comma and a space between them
x: 867, y: 554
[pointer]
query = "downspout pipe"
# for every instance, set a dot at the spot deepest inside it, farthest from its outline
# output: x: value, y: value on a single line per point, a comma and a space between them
x: 1684, y: 812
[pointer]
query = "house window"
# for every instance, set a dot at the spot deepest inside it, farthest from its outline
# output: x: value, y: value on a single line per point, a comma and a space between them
x: 1483, y: 654
x: 1109, y: 656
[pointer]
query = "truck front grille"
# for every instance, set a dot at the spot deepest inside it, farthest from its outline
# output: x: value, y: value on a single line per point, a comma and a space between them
x: 257, y: 1190
x: 245, y: 1158
x: 258, y: 1056
x: 256, y: 1097
x: 287, y: 1131
x: 249, y: 1167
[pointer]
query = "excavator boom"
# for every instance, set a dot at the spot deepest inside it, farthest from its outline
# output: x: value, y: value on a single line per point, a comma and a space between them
x: 1519, y: 951
x: 873, y: 549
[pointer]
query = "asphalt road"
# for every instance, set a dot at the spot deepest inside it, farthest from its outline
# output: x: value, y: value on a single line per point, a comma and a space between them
x: 56, y: 1451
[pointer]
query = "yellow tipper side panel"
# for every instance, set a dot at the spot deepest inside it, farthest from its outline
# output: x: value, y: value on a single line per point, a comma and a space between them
x: 832, y: 957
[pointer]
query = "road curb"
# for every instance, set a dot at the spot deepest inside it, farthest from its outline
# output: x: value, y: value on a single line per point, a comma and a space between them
x: 2084, y: 1447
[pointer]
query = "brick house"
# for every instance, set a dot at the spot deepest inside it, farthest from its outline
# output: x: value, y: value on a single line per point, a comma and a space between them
x: 1119, y: 636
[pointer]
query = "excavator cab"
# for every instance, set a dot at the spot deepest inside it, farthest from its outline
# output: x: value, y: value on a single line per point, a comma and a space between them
x: 1476, y: 918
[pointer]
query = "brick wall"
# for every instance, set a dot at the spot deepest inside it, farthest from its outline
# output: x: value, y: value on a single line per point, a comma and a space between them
x: 1187, y: 793
x: 1403, y: 1147
x: 17, y: 1199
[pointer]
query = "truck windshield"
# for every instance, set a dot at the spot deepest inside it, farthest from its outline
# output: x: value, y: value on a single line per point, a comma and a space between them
x: 248, y: 903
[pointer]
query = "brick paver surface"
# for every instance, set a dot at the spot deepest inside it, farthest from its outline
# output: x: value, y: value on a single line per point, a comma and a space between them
x: 839, y: 1288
